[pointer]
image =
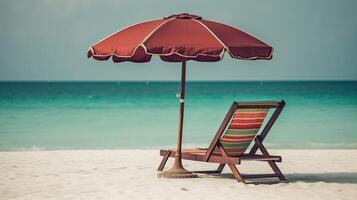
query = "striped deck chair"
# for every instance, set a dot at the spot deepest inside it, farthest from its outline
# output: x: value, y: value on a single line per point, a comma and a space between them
x: 239, y: 128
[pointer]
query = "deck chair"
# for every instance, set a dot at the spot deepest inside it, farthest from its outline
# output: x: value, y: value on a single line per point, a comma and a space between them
x: 239, y: 128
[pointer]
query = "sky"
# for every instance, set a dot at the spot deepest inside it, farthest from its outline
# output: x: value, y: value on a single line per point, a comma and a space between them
x: 48, y: 39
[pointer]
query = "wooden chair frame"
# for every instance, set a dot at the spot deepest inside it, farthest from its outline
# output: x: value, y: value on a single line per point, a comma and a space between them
x: 207, y: 155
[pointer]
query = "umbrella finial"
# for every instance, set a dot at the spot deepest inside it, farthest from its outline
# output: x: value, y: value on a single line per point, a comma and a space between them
x: 183, y: 16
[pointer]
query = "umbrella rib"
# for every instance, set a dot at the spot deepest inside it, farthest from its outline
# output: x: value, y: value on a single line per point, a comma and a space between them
x: 234, y: 56
x: 215, y: 36
x: 140, y: 44
x: 153, y: 31
x: 120, y: 31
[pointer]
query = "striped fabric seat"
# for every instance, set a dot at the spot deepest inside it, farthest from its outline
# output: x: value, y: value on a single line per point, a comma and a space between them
x: 241, y: 130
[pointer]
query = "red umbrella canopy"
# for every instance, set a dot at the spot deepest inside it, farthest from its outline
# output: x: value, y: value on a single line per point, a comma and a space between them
x: 177, y: 38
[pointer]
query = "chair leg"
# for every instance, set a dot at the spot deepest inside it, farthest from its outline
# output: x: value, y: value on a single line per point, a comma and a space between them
x: 236, y: 173
x: 233, y: 168
x: 277, y: 170
x: 260, y: 146
x: 220, y: 168
x: 163, y: 162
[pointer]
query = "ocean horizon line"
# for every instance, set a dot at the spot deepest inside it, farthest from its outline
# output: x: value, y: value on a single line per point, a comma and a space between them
x: 174, y: 81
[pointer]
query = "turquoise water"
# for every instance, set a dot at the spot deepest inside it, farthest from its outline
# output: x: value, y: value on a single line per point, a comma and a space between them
x: 122, y: 115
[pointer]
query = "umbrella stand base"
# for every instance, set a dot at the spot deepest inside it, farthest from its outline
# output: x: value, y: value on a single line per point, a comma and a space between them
x: 177, y: 171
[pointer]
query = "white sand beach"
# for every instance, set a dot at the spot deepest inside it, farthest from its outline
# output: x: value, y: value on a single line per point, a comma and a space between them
x: 131, y: 174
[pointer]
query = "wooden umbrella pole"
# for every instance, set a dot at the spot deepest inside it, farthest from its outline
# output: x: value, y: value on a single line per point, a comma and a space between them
x: 182, y: 108
x: 177, y: 170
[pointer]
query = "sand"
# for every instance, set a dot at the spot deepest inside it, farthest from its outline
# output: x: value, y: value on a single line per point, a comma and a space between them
x: 131, y: 174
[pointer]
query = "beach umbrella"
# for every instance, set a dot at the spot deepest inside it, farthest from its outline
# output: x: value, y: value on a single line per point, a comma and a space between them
x: 179, y: 38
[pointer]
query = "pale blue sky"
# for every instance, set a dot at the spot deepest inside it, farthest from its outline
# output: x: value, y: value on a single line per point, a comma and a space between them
x: 48, y: 39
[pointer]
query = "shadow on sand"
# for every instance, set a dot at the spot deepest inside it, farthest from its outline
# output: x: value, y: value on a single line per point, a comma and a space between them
x: 342, y: 177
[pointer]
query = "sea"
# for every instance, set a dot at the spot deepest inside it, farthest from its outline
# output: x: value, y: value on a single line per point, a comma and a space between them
x: 144, y: 115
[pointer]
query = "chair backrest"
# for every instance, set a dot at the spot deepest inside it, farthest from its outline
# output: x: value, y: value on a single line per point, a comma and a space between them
x: 242, y: 129
x: 241, y: 125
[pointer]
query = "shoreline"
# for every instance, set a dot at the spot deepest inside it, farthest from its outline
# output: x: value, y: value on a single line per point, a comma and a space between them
x: 158, y: 148
x: 131, y: 174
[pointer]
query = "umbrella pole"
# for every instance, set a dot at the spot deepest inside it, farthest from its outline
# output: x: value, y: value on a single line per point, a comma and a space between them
x: 177, y: 170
